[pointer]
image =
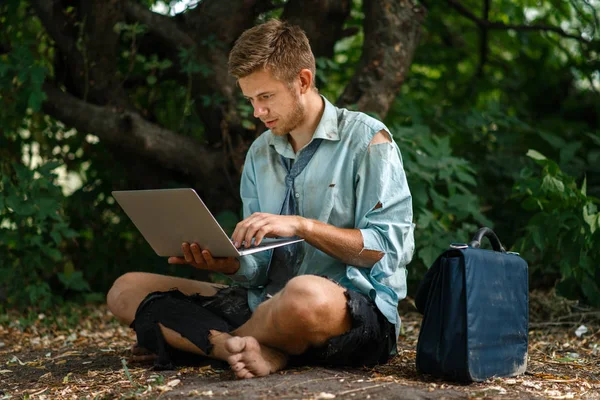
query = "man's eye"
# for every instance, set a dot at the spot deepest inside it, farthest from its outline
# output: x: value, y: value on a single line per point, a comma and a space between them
x: 267, y: 96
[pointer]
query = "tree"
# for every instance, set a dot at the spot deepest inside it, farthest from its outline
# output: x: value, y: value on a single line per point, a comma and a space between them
x: 124, y: 96
x: 88, y: 90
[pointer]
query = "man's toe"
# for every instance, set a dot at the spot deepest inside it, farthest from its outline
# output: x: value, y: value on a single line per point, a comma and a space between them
x: 245, y: 374
x: 237, y: 367
x: 234, y: 359
x: 235, y: 345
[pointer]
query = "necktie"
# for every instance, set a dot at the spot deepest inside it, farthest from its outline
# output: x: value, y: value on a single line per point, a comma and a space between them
x: 285, y: 259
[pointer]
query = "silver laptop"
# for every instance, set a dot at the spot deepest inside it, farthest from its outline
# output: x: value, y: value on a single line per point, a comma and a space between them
x: 168, y: 217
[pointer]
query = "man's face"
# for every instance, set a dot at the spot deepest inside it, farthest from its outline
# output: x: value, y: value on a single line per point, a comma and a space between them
x: 274, y: 102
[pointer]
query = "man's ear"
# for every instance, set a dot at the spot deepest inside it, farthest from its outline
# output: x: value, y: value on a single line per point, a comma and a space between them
x: 306, y: 79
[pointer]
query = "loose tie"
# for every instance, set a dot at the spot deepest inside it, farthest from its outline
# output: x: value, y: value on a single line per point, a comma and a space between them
x: 285, y: 259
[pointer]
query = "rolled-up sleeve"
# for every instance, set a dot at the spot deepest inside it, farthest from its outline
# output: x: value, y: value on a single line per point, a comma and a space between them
x: 252, y: 270
x: 384, y: 216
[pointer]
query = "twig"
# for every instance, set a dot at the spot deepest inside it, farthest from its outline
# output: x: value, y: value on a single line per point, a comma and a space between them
x: 502, y: 26
x: 345, y: 392
x: 542, y: 324
x: 581, y: 314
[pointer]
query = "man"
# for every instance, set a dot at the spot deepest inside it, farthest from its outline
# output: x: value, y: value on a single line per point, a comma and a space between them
x: 327, y: 175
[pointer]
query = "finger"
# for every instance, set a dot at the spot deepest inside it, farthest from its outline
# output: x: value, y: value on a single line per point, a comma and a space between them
x: 176, y: 260
x: 262, y: 232
x: 208, y: 258
x: 187, y: 253
x: 196, y: 253
x: 253, y: 229
x: 238, y: 234
x: 242, y: 227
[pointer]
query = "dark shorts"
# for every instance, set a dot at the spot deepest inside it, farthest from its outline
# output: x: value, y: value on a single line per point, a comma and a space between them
x: 370, y: 340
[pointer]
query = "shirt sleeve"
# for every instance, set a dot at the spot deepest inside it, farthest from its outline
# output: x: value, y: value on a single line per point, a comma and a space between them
x: 384, y: 212
x: 253, y: 267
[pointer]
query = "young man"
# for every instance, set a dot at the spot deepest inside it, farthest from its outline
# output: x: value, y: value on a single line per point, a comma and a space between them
x: 327, y: 175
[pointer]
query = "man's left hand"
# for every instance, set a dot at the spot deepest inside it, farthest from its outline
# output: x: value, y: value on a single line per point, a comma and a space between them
x: 261, y: 225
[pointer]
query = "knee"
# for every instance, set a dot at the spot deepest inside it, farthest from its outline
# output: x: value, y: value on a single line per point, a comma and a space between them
x: 305, y: 300
x: 118, y: 298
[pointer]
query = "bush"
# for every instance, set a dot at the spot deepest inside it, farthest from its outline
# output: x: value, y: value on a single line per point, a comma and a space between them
x: 33, y: 232
x: 446, y: 208
x: 561, y: 238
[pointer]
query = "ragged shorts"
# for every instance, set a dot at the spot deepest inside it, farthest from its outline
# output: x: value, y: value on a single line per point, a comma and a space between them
x: 370, y: 340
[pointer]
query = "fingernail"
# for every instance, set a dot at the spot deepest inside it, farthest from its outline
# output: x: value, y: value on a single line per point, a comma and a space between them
x: 236, y: 244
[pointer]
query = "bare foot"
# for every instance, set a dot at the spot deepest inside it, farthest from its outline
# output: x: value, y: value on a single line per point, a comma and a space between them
x: 249, y: 359
x: 141, y: 355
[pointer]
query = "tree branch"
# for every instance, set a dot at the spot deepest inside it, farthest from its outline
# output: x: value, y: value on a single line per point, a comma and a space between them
x: 129, y: 130
x: 392, y: 31
x: 501, y: 26
x: 162, y: 26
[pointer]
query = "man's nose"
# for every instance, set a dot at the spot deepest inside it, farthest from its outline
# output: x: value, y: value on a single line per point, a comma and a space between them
x: 260, y: 111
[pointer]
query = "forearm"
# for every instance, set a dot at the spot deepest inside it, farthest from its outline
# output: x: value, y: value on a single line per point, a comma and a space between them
x: 345, y: 245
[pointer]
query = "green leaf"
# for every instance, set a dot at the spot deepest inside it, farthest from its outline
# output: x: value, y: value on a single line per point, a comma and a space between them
x: 555, y: 141
x: 166, y: 63
x: 46, y: 169
x: 591, y: 218
x: 567, y: 152
x: 466, y: 178
x: 536, y: 155
x: 429, y: 254
x: 56, y: 237
x: 536, y: 235
x: 551, y: 184
x: 151, y: 79
x: 74, y: 281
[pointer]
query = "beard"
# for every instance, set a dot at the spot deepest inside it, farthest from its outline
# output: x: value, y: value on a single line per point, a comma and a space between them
x: 292, y: 120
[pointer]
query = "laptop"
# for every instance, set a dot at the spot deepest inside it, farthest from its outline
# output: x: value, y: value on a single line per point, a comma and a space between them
x: 168, y: 217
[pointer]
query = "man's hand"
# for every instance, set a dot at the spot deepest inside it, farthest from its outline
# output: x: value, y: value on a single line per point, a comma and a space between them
x: 261, y: 225
x: 202, y: 259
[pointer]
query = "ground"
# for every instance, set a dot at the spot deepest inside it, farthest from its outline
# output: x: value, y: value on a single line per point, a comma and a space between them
x: 88, y: 360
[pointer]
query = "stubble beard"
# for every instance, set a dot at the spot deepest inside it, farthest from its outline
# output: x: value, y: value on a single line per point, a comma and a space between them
x: 293, y: 120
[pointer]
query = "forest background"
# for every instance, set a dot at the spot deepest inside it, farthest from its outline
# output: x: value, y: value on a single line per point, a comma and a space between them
x: 495, y: 106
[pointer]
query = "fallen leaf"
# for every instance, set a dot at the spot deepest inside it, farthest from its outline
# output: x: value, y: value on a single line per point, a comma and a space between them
x: 174, y: 382
x: 325, y: 395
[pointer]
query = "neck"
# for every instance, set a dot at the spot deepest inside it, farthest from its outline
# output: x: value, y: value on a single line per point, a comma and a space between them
x: 303, y: 134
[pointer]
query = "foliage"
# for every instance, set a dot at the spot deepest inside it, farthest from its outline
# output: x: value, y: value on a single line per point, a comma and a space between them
x: 33, y: 231
x: 464, y: 120
x: 445, y: 206
x: 562, y: 236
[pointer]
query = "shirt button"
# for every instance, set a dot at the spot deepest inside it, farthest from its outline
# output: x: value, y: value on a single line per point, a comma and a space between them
x: 297, y: 195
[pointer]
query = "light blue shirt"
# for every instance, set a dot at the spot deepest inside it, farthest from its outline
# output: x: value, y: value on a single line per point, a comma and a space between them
x: 349, y: 184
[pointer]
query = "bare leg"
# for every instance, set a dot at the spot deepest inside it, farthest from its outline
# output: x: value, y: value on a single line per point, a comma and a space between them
x: 129, y: 290
x: 307, y: 312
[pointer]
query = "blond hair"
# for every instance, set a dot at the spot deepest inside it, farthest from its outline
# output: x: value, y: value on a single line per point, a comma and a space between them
x: 277, y: 46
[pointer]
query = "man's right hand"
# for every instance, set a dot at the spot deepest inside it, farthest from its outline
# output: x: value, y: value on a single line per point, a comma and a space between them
x: 202, y: 259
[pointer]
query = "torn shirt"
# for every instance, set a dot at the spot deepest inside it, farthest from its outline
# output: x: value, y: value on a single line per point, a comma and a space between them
x: 348, y: 183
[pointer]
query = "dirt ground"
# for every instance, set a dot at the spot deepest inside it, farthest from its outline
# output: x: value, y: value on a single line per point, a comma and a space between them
x: 47, y: 361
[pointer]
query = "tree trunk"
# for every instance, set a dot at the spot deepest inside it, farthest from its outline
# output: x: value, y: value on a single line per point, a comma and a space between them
x: 86, y: 92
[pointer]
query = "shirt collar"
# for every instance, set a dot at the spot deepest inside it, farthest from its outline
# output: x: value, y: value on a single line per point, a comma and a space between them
x: 327, y: 130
